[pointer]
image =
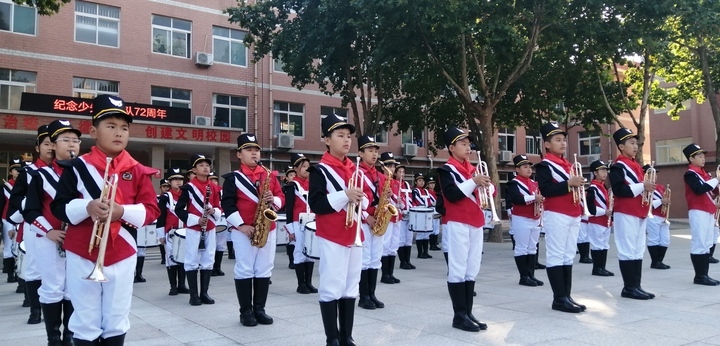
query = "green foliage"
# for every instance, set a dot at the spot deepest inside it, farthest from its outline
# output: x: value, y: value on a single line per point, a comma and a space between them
x: 44, y: 7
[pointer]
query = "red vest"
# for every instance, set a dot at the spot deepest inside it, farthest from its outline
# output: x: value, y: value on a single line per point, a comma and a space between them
x: 564, y: 204
x: 526, y: 210
x: 46, y: 199
x: 704, y: 202
x: 171, y: 220
x: 373, y: 185
x: 626, y: 205
x: 246, y: 204
x: 466, y: 210
x: 659, y: 191
x: 332, y: 226
x: 300, y: 205
x: 600, y: 191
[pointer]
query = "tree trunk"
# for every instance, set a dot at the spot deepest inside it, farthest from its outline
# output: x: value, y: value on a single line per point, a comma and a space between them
x: 641, y: 140
x: 487, y: 150
x: 711, y: 96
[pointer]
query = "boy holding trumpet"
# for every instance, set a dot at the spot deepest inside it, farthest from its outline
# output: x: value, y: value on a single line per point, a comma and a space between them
x: 600, y: 205
x: 658, y: 227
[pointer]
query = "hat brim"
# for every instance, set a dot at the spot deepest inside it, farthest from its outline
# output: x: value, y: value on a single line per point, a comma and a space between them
x: 175, y: 176
x: 214, y: 177
x: 459, y: 138
x: 290, y: 171
x: 249, y: 145
x: 553, y: 133
x: 298, y: 161
x: 17, y: 167
x: 117, y: 112
x: 201, y: 160
x: 524, y: 162
x: 626, y: 137
x: 697, y: 152
x: 416, y: 178
x: 338, y: 126
x: 60, y: 131
x: 369, y: 145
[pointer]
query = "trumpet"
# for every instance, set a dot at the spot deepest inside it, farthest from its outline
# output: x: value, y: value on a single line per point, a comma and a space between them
x: 486, y: 197
x: 539, y: 208
x: 354, y: 209
x: 647, y: 197
x: 579, y: 191
x: 717, y: 212
x: 611, y: 205
x: 101, y: 228
x: 665, y: 209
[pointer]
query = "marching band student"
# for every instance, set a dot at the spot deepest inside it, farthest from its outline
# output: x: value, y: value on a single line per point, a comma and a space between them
x: 296, y: 195
x: 55, y: 302
x: 8, y: 229
x: 373, y: 244
x: 406, y: 235
x: 193, y: 203
x: 432, y: 199
x: 463, y: 221
x: 629, y: 213
x: 420, y: 197
x: 700, y: 192
x: 583, y: 243
x: 288, y: 189
x: 164, y: 187
x: 523, y: 193
x: 340, y: 261
x: 166, y: 223
x: 561, y: 216
x: 658, y: 232
x: 242, y: 191
x: 220, y: 237
x: 598, y: 226
x: 391, y: 239
x: 102, y: 309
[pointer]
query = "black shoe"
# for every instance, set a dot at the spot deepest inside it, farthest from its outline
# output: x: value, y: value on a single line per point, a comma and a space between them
x: 701, y: 265
x: 521, y: 263
x: 182, y: 289
x: 217, y: 266
x: 538, y: 265
x: 346, y: 319
x: 420, y: 247
x: 401, y: 251
x: 118, y: 340
x: 392, y: 269
x: 139, y: 269
x: 231, y: 250
x: 567, y: 276
x: 289, y: 250
x: 372, y: 284
x: 662, y: 250
x: 526, y: 281
x: 192, y: 279
x: 469, y: 294
x: 309, y: 267
x: 713, y: 260
x: 80, y: 342
x: 162, y: 254
x: 604, y: 259
x: 386, y: 278
x: 34, y: 299
x: 584, y: 250
x: 53, y: 322
x: 172, y: 278
x: 565, y: 305
x: 712, y: 253
x: 260, y: 292
x: 364, y: 291
x: 600, y: 272
x: 627, y: 270
x: 300, y: 274
x: 556, y: 276
x: 408, y: 254
x: 243, y: 290
x: 433, y: 242
x: 638, y: 279
x: 20, y: 287
x: 204, y: 285
x: 329, y: 313
x: 460, y: 319
x: 67, y: 312
x: 530, y: 263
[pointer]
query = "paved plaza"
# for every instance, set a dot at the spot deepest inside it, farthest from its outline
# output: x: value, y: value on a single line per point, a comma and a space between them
x: 418, y: 311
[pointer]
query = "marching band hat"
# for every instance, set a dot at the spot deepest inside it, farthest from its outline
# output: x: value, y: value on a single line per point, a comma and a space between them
x: 106, y: 105
x: 693, y: 149
x: 550, y: 129
x: 213, y: 176
x: 174, y: 173
x: 57, y: 127
x: 430, y: 180
x: 367, y: 142
x: 247, y: 140
x: 42, y: 132
x: 197, y: 158
x: 26, y: 157
x: 646, y: 167
x: 333, y: 122
x: 16, y: 165
x: 453, y: 135
x: 520, y: 160
x: 289, y: 170
x: 600, y: 164
x: 164, y: 182
x: 296, y: 159
x: 419, y: 176
x: 387, y: 158
x: 622, y: 134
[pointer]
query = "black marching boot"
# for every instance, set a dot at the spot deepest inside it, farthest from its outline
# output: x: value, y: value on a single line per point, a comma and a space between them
x: 204, y: 285
x: 584, y: 250
x: 372, y: 284
x: 172, y: 272
x: 138, y: 270
x: 9, y: 268
x: 458, y: 297
x: 538, y: 265
x: 192, y: 279
x: 217, y: 266
x: 68, y: 310
x: 701, y: 266
x: 521, y: 263
x: 231, y: 249
x: 662, y: 250
x: 598, y: 263
x: 243, y: 289
x: 656, y: 257
x: 426, y: 246
x: 434, y: 243
x: 604, y: 258
x: 53, y: 322
x: 401, y: 256
x: 713, y: 260
x: 530, y: 259
x: 567, y: 275
x: 560, y: 297
x: 260, y: 293
x: 309, y: 266
x: 181, y: 288
x: 118, y: 340
x: 34, y: 299
x: 638, y: 278
x: 80, y: 342
x: 346, y: 319
x: 329, y: 312
x: 365, y: 301
x: 469, y: 294
x: 290, y: 250
x: 392, y: 268
x: 385, y: 267
x: 627, y: 270
x: 300, y: 274
x: 162, y: 254
x: 408, y: 254
x: 421, y: 249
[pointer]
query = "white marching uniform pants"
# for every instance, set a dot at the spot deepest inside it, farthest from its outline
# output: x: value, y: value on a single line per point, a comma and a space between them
x: 372, y: 249
x: 527, y: 234
x: 658, y: 232
x: 702, y: 231
x: 141, y: 251
x: 583, y: 233
x: 436, y: 226
x: 599, y: 236
x: 339, y: 270
x: 221, y: 240
x: 169, y: 250
x: 391, y: 239
x: 465, y: 245
x: 7, y: 242
x: 561, y: 234
x: 630, y: 236
x: 52, y: 271
x: 101, y: 308
x: 196, y: 259
x: 298, y: 253
x: 32, y: 271
x: 406, y: 236
x: 251, y: 261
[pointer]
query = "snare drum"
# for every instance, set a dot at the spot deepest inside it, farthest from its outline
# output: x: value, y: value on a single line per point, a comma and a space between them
x: 420, y: 219
x: 311, y: 244
x: 21, y: 263
x: 221, y: 226
x: 281, y: 235
x: 147, y: 236
x: 178, y: 246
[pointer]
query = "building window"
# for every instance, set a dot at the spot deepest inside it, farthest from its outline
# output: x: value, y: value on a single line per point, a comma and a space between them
x: 230, y: 111
x: 382, y: 137
x: 89, y: 88
x: 325, y: 111
x: 533, y: 143
x: 413, y: 137
x: 171, y: 36
x: 170, y: 97
x: 229, y: 46
x: 16, y: 18
x: 183, y: 164
x: 589, y: 143
x: 289, y: 118
x: 506, y: 139
x: 670, y: 150
x: 278, y: 66
x: 97, y: 24
x: 12, y: 84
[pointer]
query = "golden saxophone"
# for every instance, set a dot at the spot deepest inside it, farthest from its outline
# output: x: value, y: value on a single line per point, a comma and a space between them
x: 385, y: 210
x: 264, y: 214
x: 101, y: 228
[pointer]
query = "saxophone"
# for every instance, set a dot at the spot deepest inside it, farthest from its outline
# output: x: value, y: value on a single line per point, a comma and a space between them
x: 264, y: 215
x: 385, y: 210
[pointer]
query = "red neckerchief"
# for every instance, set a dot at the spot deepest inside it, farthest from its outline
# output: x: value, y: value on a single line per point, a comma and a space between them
x: 632, y: 164
x: 255, y: 174
x: 175, y: 195
x: 344, y: 168
x: 465, y: 168
x: 528, y: 182
x: 369, y: 171
x: 201, y: 185
x: 700, y: 171
x: 304, y: 183
x: 40, y: 163
x: 601, y: 186
x: 559, y: 160
x: 58, y: 170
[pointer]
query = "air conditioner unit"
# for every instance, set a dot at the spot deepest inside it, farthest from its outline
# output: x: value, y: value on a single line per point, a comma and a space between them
x: 203, y: 59
x: 592, y: 158
x: 505, y: 156
x: 286, y: 141
x: 203, y: 121
x: 410, y: 149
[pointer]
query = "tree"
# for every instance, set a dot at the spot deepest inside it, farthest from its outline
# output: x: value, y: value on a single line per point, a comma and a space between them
x: 44, y: 7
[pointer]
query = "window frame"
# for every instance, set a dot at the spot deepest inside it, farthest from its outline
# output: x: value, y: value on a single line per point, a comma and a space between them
x: 9, y: 82
x: 97, y: 17
x: 230, y: 41
x: 684, y: 141
x: 171, y: 29
x: 275, y: 63
x: 170, y: 100
x: 593, y: 136
x: 95, y: 91
x: 288, y: 113
x: 230, y: 107
x: 503, y: 131
x: 12, y: 19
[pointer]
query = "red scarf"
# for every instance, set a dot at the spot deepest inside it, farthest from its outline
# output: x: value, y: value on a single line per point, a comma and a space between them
x: 466, y: 169
x: 370, y: 171
x: 700, y: 171
x: 175, y: 195
x: 58, y: 170
x: 632, y: 164
x: 201, y: 185
x: 344, y: 168
x: 304, y: 183
x: 532, y: 185
x: 560, y: 161
x: 255, y: 174
x: 40, y: 163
